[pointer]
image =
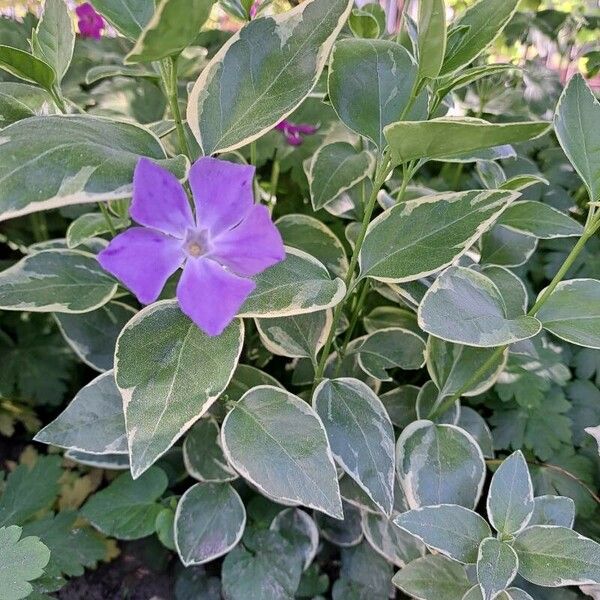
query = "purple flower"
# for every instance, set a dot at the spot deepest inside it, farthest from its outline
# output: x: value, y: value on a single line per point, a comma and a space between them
x: 293, y: 132
x: 90, y: 22
x: 230, y: 240
x: 254, y: 9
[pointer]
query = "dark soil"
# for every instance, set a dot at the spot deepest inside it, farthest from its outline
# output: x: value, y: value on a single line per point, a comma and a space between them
x: 127, y: 578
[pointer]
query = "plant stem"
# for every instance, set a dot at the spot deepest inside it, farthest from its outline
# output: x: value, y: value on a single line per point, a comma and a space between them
x: 360, y: 300
x: 39, y: 227
x: 58, y: 100
x: 168, y: 73
x: 447, y: 402
x: 558, y: 470
x: 383, y: 170
x: 107, y: 218
x: 253, y: 157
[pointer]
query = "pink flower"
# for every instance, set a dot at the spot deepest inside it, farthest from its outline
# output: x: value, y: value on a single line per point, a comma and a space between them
x: 90, y: 22
x: 294, y: 132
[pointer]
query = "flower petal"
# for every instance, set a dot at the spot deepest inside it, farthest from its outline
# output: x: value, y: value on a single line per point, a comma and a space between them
x: 210, y: 295
x: 143, y: 259
x: 159, y: 200
x: 251, y: 247
x: 222, y: 192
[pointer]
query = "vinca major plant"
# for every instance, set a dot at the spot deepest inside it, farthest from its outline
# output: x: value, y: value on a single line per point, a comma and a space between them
x: 307, y: 293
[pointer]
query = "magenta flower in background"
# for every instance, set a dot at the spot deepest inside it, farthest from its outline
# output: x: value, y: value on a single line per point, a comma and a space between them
x: 294, y: 132
x: 230, y: 240
x: 89, y: 21
x: 254, y: 9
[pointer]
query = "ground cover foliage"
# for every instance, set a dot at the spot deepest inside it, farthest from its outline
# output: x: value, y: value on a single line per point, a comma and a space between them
x: 376, y: 374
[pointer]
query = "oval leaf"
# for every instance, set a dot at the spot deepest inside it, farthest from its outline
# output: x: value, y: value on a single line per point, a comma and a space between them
x: 334, y: 169
x: 299, y: 284
x: 370, y: 84
x: 209, y: 521
x: 419, y: 237
x: 450, y: 529
x: 496, y: 567
x: 510, y: 498
x: 572, y: 312
x: 539, y: 220
x: 426, y: 479
x: 276, y: 441
x: 361, y: 436
x: 169, y: 380
x: 466, y: 307
x: 93, y: 422
x: 37, y: 174
x: 262, y: 74
x: 64, y: 281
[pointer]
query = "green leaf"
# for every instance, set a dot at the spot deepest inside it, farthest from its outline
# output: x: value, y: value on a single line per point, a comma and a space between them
x: 370, y: 84
x: 25, y: 66
x: 451, y: 137
x: 511, y: 288
x: 451, y: 367
x: 245, y: 378
x: 115, y: 462
x: 474, y: 424
x: 209, y: 522
x: 165, y: 528
x: 336, y: 168
x: 468, y: 76
x: 390, y: 541
x: 129, y: 17
x: 390, y: 348
x: 514, y: 593
x: 364, y: 574
x: 577, y: 126
x: 366, y: 24
x: 345, y: 533
x: 426, y: 479
x: 21, y: 101
x: 503, y: 247
x: 173, y: 27
x: 557, y: 556
x: 262, y: 74
x: 496, y: 567
x: 475, y: 30
x: 22, y: 560
x: 361, y: 436
x: 298, y: 336
x: 432, y: 37
x: 419, y: 237
x: 299, y: 284
x: 522, y: 182
x: 263, y: 566
x: 66, y: 281
x: 466, y: 307
x: 93, y: 335
x: 572, y: 312
x: 127, y: 508
x: 38, y: 173
x: 203, y: 455
x: 428, y: 399
x: 100, y: 72
x: 277, y: 442
x: 169, y: 373
x: 71, y: 547
x: 300, y: 530
x: 433, y: 577
x: 93, y: 422
x: 539, y: 220
x: 553, y: 510
x: 452, y: 530
x: 90, y: 225
x: 29, y: 490
x: 54, y: 39
x: 510, y: 498
x: 315, y: 238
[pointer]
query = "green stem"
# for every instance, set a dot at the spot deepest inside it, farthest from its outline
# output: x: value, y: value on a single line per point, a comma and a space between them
x: 58, y: 100
x: 39, y: 227
x: 446, y: 403
x: 168, y: 73
x: 253, y: 154
x: 383, y: 170
x: 358, y: 306
x: 274, y: 177
x: 107, y: 218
